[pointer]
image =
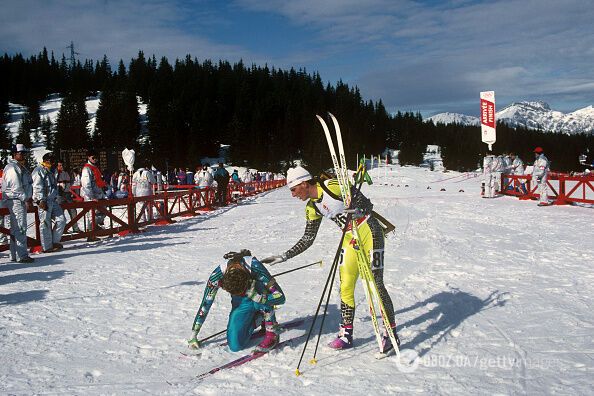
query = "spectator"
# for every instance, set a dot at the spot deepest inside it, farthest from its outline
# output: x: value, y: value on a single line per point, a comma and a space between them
x: 181, y: 176
x: 189, y: 176
x: 247, y: 176
x: 123, y: 184
x: 540, y: 173
x: 517, y: 168
x: 45, y: 195
x: 158, y: 178
x: 75, y: 177
x: 4, y: 220
x: 203, y: 178
x: 142, y: 186
x: 17, y: 191
x: 64, y: 193
x: 112, y: 185
x: 92, y: 185
x: 235, y: 176
x: 171, y: 177
x: 221, y: 176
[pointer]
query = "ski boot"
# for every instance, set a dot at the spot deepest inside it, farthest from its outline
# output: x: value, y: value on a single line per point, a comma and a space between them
x: 344, y: 340
x: 269, y: 342
x: 387, y: 346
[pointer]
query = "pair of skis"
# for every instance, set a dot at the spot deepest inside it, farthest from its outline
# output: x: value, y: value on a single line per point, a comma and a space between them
x: 254, y: 355
x: 363, y: 260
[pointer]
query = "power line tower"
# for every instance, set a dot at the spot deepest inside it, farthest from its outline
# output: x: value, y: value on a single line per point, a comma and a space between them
x: 72, y: 55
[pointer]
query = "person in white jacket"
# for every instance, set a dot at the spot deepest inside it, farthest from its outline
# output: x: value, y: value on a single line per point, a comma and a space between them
x: 517, y: 168
x: 247, y: 176
x: 540, y: 173
x: 45, y: 196
x: 489, y: 176
x: 203, y: 178
x: 92, y: 184
x: 17, y: 190
x: 4, y: 219
x: 143, y: 181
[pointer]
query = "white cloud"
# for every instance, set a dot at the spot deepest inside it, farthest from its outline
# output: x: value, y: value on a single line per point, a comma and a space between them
x: 408, y: 52
x: 118, y: 29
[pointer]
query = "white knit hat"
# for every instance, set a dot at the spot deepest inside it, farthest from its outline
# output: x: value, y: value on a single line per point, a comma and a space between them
x: 297, y: 175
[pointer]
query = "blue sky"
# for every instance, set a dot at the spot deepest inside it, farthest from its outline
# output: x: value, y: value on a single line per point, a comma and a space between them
x: 427, y: 56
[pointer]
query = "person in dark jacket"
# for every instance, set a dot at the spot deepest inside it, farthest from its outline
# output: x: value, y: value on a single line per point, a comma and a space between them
x: 221, y: 176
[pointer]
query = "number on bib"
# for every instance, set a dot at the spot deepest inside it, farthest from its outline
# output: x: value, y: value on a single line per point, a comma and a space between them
x: 377, y: 259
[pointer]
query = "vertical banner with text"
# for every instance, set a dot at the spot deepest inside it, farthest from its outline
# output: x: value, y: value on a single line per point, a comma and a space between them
x: 488, y: 118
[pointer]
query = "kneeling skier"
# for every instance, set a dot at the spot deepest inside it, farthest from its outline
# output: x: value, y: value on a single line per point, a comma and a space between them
x: 254, y: 294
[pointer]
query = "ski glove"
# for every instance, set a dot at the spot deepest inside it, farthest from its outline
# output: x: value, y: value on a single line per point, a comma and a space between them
x: 193, y: 342
x: 273, y: 260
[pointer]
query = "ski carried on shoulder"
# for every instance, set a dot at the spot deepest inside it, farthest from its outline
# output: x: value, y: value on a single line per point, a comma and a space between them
x: 363, y: 261
x: 246, y: 358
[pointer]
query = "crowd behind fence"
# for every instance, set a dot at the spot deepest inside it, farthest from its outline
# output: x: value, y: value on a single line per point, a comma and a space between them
x: 129, y: 215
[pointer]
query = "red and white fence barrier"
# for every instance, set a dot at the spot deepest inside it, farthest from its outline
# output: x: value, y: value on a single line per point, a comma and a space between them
x: 562, y: 188
x: 128, y: 215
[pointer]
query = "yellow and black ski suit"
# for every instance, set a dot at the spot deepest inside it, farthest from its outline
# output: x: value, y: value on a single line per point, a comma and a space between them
x: 329, y: 204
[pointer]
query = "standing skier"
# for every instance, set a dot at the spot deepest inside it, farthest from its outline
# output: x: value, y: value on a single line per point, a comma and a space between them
x: 254, y: 293
x: 324, y: 200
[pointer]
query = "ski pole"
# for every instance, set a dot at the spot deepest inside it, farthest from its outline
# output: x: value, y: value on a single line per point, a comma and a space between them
x: 332, y: 271
x: 211, y: 336
x: 298, y: 268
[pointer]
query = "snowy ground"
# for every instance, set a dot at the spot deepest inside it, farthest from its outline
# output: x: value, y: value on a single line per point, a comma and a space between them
x: 492, y: 297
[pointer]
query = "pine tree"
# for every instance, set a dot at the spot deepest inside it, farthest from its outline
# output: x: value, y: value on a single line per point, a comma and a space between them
x: 72, y: 124
x: 5, y: 135
x: 117, y: 123
x: 48, y: 133
x: 24, y: 138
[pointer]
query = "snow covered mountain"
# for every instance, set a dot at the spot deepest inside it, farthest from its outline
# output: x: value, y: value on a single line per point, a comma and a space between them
x: 534, y: 115
x: 454, y: 118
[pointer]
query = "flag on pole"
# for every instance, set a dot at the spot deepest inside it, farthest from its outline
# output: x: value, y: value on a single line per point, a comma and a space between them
x: 488, y: 118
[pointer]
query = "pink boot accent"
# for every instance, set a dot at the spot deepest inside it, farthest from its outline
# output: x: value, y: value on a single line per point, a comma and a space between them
x: 269, y: 342
x: 344, y: 339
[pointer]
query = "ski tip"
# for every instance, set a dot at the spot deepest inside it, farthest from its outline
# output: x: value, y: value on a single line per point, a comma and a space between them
x: 297, y: 372
x: 313, y: 361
